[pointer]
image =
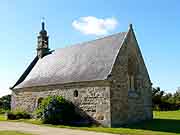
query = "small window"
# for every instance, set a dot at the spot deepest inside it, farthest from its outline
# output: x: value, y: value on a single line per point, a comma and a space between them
x: 75, y: 93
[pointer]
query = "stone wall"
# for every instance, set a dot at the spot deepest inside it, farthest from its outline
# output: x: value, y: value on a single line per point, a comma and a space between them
x: 93, y: 98
x: 130, y: 105
x: 140, y: 99
x: 118, y: 92
x: 140, y: 106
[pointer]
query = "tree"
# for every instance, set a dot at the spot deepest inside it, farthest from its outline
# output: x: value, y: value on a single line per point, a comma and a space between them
x: 157, y: 96
x: 177, y: 96
x: 5, y: 102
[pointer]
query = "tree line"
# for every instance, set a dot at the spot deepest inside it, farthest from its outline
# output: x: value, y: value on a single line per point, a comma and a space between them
x: 165, y: 101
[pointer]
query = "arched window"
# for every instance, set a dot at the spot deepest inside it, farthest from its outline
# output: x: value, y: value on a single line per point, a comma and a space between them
x: 131, y: 74
x: 75, y: 93
x: 133, y: 71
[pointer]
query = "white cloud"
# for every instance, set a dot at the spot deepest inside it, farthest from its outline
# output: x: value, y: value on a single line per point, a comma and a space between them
x: 91, y: 25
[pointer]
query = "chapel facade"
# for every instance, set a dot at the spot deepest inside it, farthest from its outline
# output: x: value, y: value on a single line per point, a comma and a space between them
x: 106, y: 79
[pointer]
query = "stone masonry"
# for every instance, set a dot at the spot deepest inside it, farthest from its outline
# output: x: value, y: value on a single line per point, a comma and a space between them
x: 93, y: 98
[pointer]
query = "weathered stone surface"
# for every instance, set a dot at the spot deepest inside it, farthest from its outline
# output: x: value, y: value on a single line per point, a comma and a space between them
x: 128, y: 106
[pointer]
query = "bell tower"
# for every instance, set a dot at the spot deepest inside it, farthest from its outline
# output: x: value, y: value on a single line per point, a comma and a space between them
x: 43, y: 45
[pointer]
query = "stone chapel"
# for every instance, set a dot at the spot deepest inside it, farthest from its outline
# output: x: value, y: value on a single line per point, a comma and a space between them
x: 105, y: 78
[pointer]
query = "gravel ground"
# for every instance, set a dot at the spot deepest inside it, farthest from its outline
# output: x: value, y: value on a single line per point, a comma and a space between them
x: 44, y: 130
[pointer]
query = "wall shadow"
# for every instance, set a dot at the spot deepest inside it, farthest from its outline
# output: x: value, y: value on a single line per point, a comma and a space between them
x: 82, y: 119
x: 163, y: 125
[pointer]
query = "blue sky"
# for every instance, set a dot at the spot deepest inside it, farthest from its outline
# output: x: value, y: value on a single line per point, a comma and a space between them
x: 156, y: 23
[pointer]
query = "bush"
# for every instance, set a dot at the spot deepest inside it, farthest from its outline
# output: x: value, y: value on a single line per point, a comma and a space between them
x: 2, y: 111
x: 56, y: 110
x: 18, y: 114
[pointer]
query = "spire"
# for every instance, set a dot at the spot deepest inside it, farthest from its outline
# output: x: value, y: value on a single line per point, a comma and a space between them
x: 43, y: 47
x: 130, y: 26
x: 43, y: 25
x: 43, y: 31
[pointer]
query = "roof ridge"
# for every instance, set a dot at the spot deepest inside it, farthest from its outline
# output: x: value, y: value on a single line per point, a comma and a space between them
x: 90, y: 41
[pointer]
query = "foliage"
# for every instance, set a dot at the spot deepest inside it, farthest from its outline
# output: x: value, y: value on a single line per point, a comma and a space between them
x: 2, y: 111
x: 18, y: 114
x: 165, y: 101
x: 5, y: 102
x: 56, y: 110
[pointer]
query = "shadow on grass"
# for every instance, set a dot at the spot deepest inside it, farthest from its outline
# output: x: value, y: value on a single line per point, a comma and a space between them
x: 162, y: 125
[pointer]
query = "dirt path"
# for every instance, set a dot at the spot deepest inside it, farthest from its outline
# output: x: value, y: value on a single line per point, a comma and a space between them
x: 44, y: 130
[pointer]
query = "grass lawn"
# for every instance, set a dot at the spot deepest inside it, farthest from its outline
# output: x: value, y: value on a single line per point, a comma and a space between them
x: 173, y: 115
x: 12, y: 133
x: 164, y: 123
x: 2, y: 118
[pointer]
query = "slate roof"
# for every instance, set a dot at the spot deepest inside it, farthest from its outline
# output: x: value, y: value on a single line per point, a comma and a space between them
x: 87, y: 61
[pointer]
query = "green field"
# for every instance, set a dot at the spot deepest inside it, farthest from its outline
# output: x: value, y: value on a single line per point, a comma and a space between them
x: 164, y: 123
x: 12, y: 133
